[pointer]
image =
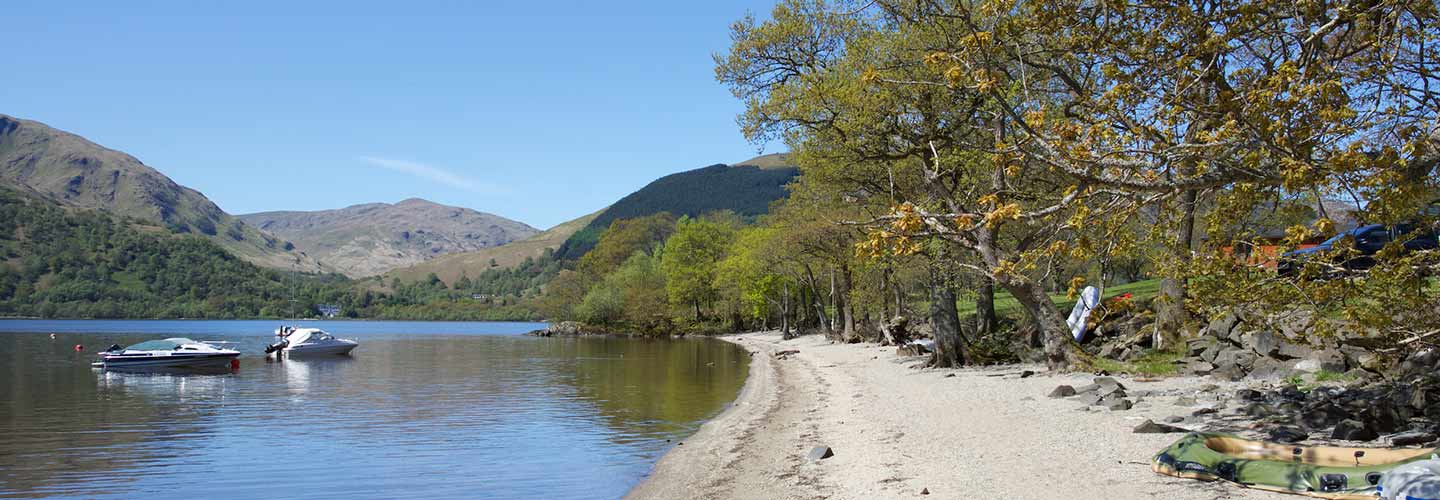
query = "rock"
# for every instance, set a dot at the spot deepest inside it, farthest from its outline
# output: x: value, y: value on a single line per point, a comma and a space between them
x: 1090, y: 399
x: 1113, y: 403
x: 1108, y: 382
x: 1264, y: 343
x: 1221, y: 327
x: 1249, y: 395
x: 1329, y: 360
x: 925, y: 491
x: 1087, y: 389
x: 1185, y: 401
x: 1204, y: 411
x: 1422, y: 362
x: 1381, y: 417
x: 1288, y: 435
x: 1294, y: 351
x: 1174, y: 419
x: 1063, y: 391
x: 1210, y: 353
x: 1412, y: 438
x: 909, y: 350
x: 1150, y: 427
x: 1353, y: 430
x: 1259, y: 410
x: 1027, y: 374
x: 1199, y: 367
x: 1267, y: 368
x: 820, y: 453
x: 1292, y: 393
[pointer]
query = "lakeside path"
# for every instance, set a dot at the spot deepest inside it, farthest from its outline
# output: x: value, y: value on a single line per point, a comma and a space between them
x: 895, y: 431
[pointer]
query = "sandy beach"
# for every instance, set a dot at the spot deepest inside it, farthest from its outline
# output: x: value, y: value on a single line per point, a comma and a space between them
x: 900, y: 432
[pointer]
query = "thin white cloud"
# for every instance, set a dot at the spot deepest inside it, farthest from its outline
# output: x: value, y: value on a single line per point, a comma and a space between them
x: 432, y: 174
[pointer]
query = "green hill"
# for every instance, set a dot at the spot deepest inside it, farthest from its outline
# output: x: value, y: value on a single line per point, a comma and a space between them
x: 747, y: 190
x: 75, y: 172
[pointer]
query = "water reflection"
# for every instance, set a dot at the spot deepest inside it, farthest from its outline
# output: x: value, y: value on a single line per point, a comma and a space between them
x: 435, y: 416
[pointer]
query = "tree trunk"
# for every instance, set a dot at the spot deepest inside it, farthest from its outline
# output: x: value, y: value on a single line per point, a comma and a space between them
x: 951, y: 350
x: 1061, y: 352
x: 1171, y: 315
x: 985, y: 307
x: 847, y: 306
x: 785, y: 313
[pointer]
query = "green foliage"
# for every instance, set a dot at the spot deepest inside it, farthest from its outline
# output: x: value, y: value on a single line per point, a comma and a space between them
x: 744, y: 190
x: 690, y: 259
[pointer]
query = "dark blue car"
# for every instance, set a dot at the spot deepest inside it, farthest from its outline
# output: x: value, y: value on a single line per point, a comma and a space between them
x: 1367, y: 241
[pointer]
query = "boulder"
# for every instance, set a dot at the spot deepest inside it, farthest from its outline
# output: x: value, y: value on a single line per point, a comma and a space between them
x: 1268, y: 368
x: 1353, y: 430
x: 1222, y: 326
x: 820, y: 453
x: 1412, y: 438
x: 1294, y: 351
x: 1264, y: 343
x: 1063, y: 391
x: 1249, y: 395
x: 1087, y: 389
x: 1090, y: 399
x: 1329, y: 360
x: 911, y: 350
x: 1420, y: 363
x: 1115, y: 403
x: 1150, y: 427
x: 1287, y: 435
x: 1259, y: 410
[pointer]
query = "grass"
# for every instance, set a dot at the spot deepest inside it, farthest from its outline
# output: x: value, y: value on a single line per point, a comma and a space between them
x: 1152, y: 363
x: 1007, y: 307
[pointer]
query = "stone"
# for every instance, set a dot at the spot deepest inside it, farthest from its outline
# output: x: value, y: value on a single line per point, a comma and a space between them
x: 1063, y: 391
x: 1264, y: 343
x: 1108, y: 382
x: 1329, y: 360
x: 1150, y: 427
x: 1091, y: 399
x: 1292, y: 393
x: 1204, y: 411
x: 1267, y: 368
x: 1412, y: 438
x: 910, y: 350
x: 1259, y: 410
x: 1117, y: 403
x: 820, y: 453
x: 1287, y: 435
x: 1422, y: 362
x: 1210, y: 353
x: 925, y: 491
x: 1087, y: 389
x: 1249, y: 395
x: 1185, y: 401
x: 1222, y: 326
x: 1294, y: 351
x: 1353, y: 430
x: 1174, y: 419
x: 1199, y: 367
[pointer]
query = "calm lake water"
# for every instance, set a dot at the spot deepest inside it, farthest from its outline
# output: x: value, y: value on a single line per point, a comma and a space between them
x: 421, y: 410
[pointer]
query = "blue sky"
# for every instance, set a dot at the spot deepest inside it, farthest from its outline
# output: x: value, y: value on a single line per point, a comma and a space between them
x: 537, y: 111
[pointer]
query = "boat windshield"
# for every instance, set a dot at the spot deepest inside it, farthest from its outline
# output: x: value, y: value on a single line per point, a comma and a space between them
x: 159, y: 345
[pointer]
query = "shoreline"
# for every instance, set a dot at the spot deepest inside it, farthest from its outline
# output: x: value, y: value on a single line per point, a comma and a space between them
x: 901, y: 432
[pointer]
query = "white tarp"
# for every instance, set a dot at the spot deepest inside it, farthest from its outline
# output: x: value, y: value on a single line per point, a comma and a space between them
x: 1089, y: 300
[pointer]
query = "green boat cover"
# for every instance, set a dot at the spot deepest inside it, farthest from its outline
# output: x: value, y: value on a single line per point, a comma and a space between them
x: 1325, y: 472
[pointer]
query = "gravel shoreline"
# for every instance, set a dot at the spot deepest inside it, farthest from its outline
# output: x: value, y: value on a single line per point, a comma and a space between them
x: 901, y: 432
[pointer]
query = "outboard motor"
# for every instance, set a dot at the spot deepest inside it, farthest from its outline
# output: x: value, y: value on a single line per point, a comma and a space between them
x: 276, y: 346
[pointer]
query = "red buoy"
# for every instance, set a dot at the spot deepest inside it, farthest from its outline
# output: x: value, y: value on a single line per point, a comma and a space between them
x: 235, y: 364
x: 79, y: 347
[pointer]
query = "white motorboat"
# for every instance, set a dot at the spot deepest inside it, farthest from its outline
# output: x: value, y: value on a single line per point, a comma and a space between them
x: 168, y: 353
x: 312, y: 341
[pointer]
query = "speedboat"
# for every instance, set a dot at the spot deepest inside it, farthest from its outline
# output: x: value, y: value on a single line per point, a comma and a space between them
x: 308, y: 341
x: 168, y: 353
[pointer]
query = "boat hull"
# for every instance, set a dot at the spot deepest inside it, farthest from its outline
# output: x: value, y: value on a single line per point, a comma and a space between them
x: 337, y: 349
x: 174, y: 361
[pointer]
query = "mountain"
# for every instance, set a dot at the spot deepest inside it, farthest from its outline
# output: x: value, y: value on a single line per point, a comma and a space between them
x: 770, y: 161
x: 747, y: 189
x: 72, y: 171
x: 451, y: 267
x: 367, y: 240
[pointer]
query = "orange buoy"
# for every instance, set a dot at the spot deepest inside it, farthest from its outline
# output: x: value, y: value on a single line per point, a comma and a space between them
x: 79, y: 347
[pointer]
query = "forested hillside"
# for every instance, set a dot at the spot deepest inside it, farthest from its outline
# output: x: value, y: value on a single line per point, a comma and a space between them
x: 745, y: 190
x: 72, y: 263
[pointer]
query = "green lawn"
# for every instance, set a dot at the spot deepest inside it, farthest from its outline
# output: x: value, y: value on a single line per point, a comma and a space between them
x: 1007, y: 307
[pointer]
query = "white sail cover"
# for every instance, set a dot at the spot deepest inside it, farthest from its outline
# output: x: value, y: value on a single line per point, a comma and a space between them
x: 1089, y: 300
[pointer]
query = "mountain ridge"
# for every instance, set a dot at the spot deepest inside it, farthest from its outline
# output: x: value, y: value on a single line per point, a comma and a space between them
x: 76, y: 172
x: 370, y: 239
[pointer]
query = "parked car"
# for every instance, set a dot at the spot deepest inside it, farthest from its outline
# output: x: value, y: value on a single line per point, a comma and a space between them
x: 1366, y: 242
